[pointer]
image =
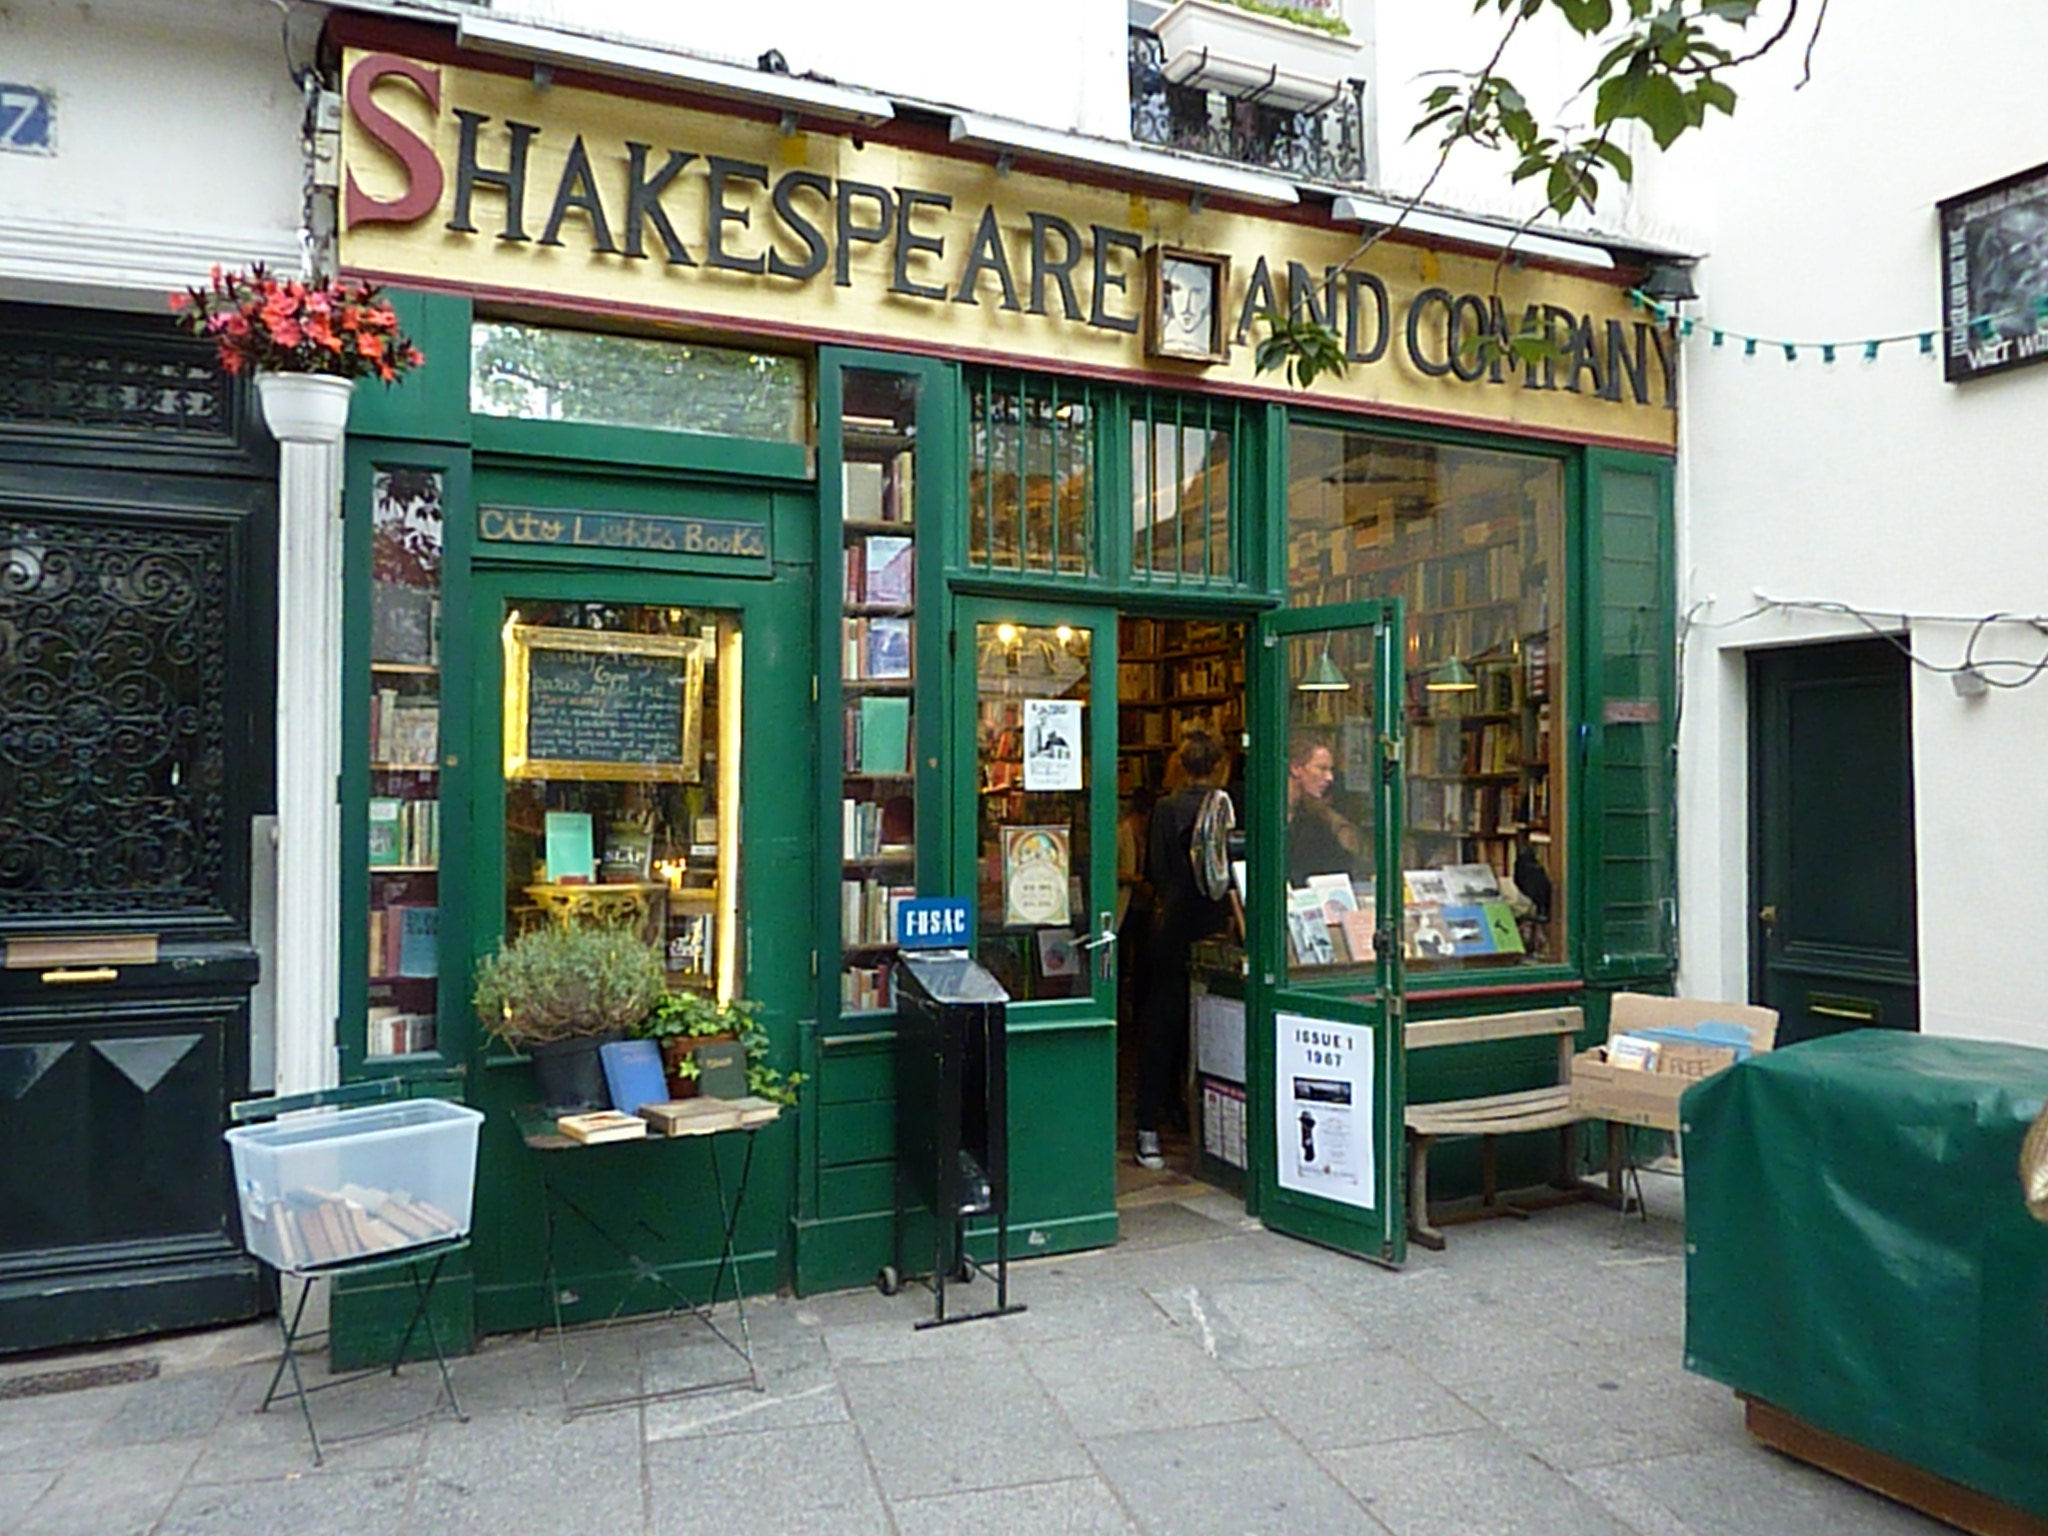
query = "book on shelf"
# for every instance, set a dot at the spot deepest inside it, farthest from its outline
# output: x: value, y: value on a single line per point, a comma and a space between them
x: 384, y: 813
x: 868, y: 911
x: 632, y: 1073
x: 390, y: 1031
x: 1470, y: 884
x: 1424, y: 887
x: 866, y: 989
x: 418, y: 941
x: 1360, y: 941
x: 876, y: 649
x: 875, y: 828
x: 405, y: 624
x: 410, y: 732
x: 1470, y: 932
x: 860, y: 483
x: 601, y: 1125
x: 888, y: 572
x: 899, y: 488
x: 1308, y: 931
x: 1507, y: 932
x: 1425, y: 935
x: 883, y: 735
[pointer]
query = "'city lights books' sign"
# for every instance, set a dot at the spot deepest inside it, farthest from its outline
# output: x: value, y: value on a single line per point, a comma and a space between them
x: 1994, y: 263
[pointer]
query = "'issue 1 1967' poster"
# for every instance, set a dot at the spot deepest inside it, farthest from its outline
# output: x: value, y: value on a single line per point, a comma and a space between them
x: 1324, y: 1102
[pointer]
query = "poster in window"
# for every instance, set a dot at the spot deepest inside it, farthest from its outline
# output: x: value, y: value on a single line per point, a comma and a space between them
x: 1052, y: 744
x: 1994, y: 273
x: 1035, y: 865
x: 1324, y: 1107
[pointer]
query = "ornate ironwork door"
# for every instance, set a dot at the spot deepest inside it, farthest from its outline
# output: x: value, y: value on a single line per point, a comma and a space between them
x: 135, y: 693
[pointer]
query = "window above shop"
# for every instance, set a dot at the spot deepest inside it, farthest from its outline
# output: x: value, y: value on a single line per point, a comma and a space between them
x: 1030, y: 475
x: 540, y: 373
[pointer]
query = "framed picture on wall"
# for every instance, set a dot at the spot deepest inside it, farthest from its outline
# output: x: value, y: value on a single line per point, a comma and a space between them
x: 1994, y: 276
x: 1188, y: 292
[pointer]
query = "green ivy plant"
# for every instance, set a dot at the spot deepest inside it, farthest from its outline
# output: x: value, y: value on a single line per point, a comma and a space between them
x: 1304, y: 347
x: 694, y: 1016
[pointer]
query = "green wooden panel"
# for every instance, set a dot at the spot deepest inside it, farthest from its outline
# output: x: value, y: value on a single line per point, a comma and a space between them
x: 1063, y: 1123
x: 1627, y: 703
x: 855, y: 1076
x: 856, y: 1188
x: 432, y: 405
x: 856, y: 1133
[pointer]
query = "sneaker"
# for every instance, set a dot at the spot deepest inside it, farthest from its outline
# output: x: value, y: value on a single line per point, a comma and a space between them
x: 1149, y: 1155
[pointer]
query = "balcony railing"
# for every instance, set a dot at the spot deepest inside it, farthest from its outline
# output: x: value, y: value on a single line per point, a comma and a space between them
x: 1326, y: 146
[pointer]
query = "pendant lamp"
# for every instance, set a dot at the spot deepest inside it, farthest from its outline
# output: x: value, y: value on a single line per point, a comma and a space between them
x: 1452, y: 677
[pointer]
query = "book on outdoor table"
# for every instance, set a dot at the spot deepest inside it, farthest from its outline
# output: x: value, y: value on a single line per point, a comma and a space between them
x: 601, y: 1125
x: 701, y: 1116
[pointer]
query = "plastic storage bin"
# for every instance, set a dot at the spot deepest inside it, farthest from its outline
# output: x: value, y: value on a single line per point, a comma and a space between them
x: 321, y: 1189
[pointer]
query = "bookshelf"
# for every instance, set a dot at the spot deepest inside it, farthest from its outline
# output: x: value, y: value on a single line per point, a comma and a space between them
x: 1174, y: 676
x: 1472, y: 541
x: 877, y: 675
x: 405, y: 752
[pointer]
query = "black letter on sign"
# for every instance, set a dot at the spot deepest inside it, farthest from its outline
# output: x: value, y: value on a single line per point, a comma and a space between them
x: 578, y: 189
x: 1353, y: 281
x: 511, y: 181
x: 1621, y: 365
x: 723, y: 171
x: 814, y: 241
x: 1061, y: 271
x: 1301, y: 296
x: 643, y: 202
x: 874, y: 234
x: 1107, y: 240
x: 1434, y: 370
x: 909, y: 243
x: 1258, y: 300
x: 986, y: 254
x: 1467, y: 363
x: 1585, y: 356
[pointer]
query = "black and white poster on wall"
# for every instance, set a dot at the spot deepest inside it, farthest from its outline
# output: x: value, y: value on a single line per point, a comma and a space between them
x: 1994, y: 265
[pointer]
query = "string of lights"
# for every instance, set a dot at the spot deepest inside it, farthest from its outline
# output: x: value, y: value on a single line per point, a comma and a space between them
x: 1982, y: 327
x: 1972, y: 674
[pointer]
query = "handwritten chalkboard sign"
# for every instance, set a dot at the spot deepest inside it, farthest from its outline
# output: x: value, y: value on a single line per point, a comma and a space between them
x: 584, y: 704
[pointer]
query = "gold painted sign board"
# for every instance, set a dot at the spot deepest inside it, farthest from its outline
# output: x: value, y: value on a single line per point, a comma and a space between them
x: 474, y: 181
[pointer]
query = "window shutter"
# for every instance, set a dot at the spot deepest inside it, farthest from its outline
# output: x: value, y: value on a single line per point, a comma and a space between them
x: 1627, y: 727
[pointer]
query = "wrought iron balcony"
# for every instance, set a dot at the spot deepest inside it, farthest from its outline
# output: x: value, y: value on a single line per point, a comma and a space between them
x: 1327, y: 146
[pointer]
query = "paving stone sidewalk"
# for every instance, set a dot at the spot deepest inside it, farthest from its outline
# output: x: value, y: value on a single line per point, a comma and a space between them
x: 1205, y: 1376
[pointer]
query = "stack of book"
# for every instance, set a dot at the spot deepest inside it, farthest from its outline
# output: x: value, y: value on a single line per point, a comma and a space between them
x: 404, y: 731
x: 404, y: 832
x: 316, y: 1226
x: 405, y: 941
x: 388, y: 1031
x: 867, y: 911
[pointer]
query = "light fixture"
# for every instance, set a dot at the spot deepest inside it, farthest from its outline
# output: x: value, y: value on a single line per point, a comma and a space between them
x: 1006, y: 632
x: 1669, y: 282
x: 1324, y: 676
x: 1969, y: 683
x: 1452, y: 677
x: 1065, y: 633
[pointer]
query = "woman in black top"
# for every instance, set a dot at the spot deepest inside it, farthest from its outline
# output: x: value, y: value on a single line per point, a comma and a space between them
x: 1319, y: 840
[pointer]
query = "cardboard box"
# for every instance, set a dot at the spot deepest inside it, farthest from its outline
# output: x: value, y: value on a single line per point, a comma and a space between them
x: 1634, y: 1097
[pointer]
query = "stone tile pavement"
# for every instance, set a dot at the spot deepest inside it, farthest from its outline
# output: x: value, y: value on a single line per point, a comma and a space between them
x: 1204, y: 1376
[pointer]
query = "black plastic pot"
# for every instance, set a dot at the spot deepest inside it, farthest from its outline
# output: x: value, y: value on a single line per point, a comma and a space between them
x: 570, y: 1074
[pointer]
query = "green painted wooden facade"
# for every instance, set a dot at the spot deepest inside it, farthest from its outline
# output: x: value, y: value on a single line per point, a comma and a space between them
x: 819, y: 1210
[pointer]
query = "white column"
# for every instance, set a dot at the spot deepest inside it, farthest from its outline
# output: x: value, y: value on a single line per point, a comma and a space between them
x: 308, y: 745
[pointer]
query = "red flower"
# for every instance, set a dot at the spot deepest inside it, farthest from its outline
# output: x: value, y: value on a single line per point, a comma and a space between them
x: 297, y: 325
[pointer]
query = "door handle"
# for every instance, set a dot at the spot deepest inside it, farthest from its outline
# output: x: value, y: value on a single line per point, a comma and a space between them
x: 1768, y: 914
x: 1103, y: 943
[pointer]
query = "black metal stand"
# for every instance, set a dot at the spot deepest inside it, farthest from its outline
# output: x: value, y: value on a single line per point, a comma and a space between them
x: 645, y: 1271
x: 433, y: 1256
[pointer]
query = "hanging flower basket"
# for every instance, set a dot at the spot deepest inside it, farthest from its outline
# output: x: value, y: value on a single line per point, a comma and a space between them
x: 1264, y: 58
x: 325, y: 327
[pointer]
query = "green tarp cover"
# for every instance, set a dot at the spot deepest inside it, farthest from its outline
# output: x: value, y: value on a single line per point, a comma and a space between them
x: 1860, y: 1254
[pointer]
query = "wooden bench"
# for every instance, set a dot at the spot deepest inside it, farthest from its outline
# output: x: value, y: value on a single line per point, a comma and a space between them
x: 1494, y: 1115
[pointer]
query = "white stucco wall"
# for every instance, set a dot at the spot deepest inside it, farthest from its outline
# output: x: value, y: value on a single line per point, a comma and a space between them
x: 1056, y: 63
x: 1872, y: 484
x: 177, y: 135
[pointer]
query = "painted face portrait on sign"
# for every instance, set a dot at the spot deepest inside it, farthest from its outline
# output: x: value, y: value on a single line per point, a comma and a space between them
x: 1187, y: 307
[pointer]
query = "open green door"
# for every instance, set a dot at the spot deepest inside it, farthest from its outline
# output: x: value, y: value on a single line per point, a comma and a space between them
x: 1327, y: 1080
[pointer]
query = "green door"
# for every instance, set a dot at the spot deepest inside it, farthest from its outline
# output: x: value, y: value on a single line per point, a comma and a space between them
x: 1033, y: 732
x: 1325, y: 1055
x: 638, y: 756
x: 1833, y: 916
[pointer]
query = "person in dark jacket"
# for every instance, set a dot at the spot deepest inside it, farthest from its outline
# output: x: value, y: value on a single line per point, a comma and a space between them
x: 1181, y: 915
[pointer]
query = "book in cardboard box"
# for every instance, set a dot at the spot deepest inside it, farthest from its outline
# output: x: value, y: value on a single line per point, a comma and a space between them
x: 1686, y: 1050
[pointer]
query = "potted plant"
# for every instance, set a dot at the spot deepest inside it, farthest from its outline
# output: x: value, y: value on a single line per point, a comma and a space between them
x: 307, y: 340
x: 683, y: 1021
x: 557, y: 993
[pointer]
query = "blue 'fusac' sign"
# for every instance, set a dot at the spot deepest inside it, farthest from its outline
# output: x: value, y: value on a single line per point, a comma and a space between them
x: 933, y: 922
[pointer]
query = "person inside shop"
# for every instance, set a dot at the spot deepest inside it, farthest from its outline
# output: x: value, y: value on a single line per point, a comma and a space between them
x: 1320, y: 841
x: 1133, y: 901
x: 1181, y: 916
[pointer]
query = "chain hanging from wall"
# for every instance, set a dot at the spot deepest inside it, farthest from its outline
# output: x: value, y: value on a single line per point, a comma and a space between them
x: 1982, y: 328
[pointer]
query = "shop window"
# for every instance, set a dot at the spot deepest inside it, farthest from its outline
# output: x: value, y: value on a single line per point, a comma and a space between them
x: 1181, y: 523
x: 1030, y: 481
x: 622, y: 774
x: 1472, y: 539
x: 406, y: 543
x: 536, y: 373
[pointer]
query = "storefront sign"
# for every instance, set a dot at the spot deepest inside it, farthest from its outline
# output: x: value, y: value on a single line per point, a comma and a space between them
x: 478, y: 181
x: 1323, y: 1102
x: 620, y: 530
x: 1994, y: 252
